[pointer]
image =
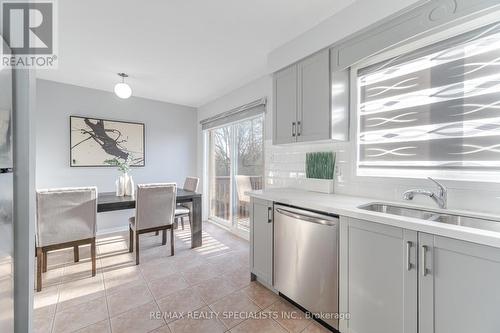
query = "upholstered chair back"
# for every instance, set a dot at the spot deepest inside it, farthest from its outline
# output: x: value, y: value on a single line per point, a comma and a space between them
x: 191, y: 184
x: 243, y: 185
x: 155, y: 205
x: 65, y: 215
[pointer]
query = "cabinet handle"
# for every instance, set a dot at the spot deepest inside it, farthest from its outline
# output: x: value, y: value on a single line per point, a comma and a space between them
x: 424, y: 260
x: 299, y: 128
x: 409, y: 265
x: 269, y: 214
x: 294, y: 129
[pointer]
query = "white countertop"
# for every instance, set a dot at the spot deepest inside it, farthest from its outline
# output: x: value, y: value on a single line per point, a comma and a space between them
x: 344, y: 205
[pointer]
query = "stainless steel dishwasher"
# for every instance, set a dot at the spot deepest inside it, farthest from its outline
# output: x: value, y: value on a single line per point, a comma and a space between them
x: 306, y: 260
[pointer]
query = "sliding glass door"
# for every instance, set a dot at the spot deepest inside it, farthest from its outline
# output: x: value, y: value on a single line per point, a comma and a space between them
x: 236, y: 165
x: 220, y: 174
x: 249, y: 166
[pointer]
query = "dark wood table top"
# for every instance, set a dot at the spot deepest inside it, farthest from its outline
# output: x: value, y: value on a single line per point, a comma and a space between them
x: 108, y: 201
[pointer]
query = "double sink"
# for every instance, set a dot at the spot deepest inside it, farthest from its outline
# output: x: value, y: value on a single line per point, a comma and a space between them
x: 435, y: 216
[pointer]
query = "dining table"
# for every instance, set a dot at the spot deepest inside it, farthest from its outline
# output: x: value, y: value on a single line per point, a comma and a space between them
x: 109, y: 201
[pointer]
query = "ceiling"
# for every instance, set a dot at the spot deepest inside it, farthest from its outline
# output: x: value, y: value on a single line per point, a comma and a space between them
x: 180, y: 51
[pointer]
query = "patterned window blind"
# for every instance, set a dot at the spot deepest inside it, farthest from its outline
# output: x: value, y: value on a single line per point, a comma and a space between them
x: 434, y: 108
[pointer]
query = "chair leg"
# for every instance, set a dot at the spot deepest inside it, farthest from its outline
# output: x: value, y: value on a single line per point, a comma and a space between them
x: 76, y: 253
x: 172, y: 241
x: 39, y: 259
x: 136, y: 248
x: 131, y: 240
x: 157, y: 233
x: 93, y: 255
x: 182, y: 222
x: 164, y: 237
x: 44, y: 261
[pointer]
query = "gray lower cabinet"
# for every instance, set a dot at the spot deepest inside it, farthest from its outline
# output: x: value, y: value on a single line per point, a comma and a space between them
x: 458, y: 286
x: 261, y: 240
x: 378, y: 278
x: 393, y: 278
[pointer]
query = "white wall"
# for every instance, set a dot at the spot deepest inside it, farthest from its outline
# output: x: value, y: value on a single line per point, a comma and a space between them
x: 170, y: 140
x: 352, y: 19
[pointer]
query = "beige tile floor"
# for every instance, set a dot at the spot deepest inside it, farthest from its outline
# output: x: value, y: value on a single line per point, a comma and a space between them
x: 207, y: 289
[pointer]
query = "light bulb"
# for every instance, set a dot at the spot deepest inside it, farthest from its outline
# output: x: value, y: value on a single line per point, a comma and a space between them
x: 123, y: 90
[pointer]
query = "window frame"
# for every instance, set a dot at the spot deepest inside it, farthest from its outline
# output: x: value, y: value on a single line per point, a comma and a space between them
x: 362, y: 174
x: 230, y: 225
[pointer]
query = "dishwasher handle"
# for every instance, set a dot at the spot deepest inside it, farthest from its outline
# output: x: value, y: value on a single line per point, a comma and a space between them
x: 313, y: 218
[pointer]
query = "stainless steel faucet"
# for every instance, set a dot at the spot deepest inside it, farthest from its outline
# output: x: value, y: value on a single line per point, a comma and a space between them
x: 441, y: 197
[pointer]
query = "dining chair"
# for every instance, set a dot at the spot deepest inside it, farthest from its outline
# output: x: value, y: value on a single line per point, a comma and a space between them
x: 243, y: 185
x: 154, y: 212
x: 184, y: 210
x: 66, y: 217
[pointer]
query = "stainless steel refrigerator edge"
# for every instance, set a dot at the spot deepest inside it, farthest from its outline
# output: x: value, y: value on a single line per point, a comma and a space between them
x: 17, y: 197
x: 6, y: 203
x: 24, y: 213
x: 306, y: 252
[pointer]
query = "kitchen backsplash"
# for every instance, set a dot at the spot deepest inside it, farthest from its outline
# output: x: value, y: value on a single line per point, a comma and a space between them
x: 285, y: 167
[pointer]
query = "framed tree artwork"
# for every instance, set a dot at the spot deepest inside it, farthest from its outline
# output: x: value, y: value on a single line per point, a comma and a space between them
x: 94, y: 141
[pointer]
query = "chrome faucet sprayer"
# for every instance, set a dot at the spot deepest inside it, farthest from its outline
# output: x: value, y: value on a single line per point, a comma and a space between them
x: 441, y: 197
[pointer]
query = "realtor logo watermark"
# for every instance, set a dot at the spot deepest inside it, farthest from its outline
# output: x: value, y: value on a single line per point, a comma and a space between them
x: 29, y: 29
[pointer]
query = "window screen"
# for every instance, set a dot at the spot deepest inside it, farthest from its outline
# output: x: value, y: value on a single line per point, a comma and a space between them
x: 434, y: 108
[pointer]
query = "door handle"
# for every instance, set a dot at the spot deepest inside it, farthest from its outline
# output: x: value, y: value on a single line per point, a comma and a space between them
x: 269, y: 214
x: 294, y: 128
x: 299, y: 128
x: 409, y: 265
x: 424, y: 260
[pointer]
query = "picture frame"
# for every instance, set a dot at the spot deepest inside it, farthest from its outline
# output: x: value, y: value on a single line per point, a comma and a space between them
x: 95, y: 140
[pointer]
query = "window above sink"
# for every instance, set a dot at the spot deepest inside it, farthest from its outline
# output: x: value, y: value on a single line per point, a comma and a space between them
x: 433, y: 111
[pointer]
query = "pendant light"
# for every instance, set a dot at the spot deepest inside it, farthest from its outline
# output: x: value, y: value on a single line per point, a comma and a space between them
x: 122, y: 89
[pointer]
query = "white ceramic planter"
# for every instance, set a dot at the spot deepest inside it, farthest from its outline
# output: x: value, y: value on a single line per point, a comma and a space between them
x: 318, y: 185
x: 125, y: 185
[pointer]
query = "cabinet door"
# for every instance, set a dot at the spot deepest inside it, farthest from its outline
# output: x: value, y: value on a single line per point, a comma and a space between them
x: 378, y: 278
x: 261, y: 239
x: 458, y: 286
x: 314, y: 98
x: 340, y: 96
x: 285, y: 105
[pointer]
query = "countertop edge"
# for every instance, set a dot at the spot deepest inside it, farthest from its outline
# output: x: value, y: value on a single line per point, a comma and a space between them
x: 347, y: 206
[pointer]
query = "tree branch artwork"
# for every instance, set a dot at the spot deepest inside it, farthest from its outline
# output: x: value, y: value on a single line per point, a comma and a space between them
x: 115, y: 140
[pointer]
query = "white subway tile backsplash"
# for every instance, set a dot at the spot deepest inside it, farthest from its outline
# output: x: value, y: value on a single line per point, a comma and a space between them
x: 285, y: 167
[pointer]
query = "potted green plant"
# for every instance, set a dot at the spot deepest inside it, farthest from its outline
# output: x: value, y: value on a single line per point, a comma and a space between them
x: 320, y: 171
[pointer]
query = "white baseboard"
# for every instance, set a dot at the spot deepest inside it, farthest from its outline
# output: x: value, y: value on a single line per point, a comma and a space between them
x: 112, y: 230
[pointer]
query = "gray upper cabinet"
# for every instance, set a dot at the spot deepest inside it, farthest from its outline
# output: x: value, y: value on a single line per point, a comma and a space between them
x: 285, y: 105
x: 458, y: 289
x: 303, y: 101
x: 378, y: 278
x: 313, y: 121
x: 261, y: 240
x: 340, y: 97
